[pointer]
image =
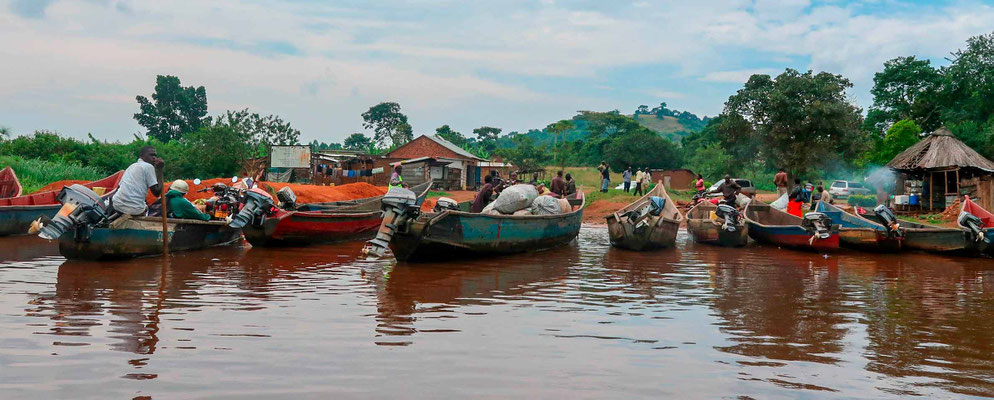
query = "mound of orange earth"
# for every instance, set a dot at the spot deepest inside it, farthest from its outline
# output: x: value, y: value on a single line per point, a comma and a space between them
x: 595, y: 212
x: 305, y: 193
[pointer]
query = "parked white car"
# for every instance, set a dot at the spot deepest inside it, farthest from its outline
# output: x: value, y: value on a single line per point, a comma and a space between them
x: 842, y: 189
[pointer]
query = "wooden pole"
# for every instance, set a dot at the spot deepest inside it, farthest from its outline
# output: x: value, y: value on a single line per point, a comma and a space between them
x: 165, y: 224
x: 931, y: 190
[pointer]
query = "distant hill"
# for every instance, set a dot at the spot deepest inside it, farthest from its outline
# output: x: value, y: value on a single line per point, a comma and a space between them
x: 671, y: 124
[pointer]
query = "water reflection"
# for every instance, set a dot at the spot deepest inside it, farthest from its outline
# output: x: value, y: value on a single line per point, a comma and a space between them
x: 594, y: 321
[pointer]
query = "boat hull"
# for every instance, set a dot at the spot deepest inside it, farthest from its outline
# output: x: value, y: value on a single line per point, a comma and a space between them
x: 656, y: 231
x: 859, y: 233
x: 660, y: 234
x: 15, y: 220
x: 17, y: 213
x: 296, y: 228
x: 138, y: 237
x: 707, y: 232
x: 793, y: 236
x: 452, y: 234
x: 938, y: 240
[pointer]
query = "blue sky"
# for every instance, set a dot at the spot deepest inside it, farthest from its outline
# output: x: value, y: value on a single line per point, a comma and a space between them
x: 75, y: 66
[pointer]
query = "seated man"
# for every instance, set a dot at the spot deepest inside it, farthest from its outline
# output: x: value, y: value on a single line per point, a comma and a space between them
x: 178, y: 206
x: 484, y: 196
x: 142, y: 176
x: 729, y: 190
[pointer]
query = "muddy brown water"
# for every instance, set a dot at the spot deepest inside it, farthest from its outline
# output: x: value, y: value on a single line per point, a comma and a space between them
x: 583, y: 321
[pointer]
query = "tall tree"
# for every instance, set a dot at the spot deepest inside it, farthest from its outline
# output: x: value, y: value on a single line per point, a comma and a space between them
x: 445, y: 132
x: 642, y: 149
x: 487, y: 136
x: 402, y: 134
x: 900, y: 136
x: 558, y: 130
x: 525, y: 155
x: 173, y: 111
x: 358, y: 141
x: 384, y: 119
x: 968, y: 90
x: 799, y: 121
x: 907, y: 88
x: 261, y: 131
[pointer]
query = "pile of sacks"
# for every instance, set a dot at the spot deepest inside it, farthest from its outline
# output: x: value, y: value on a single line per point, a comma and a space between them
x: 523, y: 199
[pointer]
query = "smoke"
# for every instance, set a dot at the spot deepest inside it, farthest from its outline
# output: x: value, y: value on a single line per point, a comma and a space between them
x: 881, y: 178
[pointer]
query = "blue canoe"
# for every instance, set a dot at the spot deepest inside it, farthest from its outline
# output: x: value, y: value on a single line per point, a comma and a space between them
x: 142, y: 236
x: 16, y: 213
x: 769, y: 225
x: 861, y: 233
x: 456, y: 234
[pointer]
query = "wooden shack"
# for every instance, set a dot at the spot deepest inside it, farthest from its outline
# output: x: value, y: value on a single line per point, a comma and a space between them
x: 941, y: 168
x: 674, y: 178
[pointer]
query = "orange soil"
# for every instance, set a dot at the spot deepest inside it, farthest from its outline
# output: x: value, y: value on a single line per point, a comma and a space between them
x: 57, y: 185
x: 458, y: 195
x: 305, y: 193
x: 598, y: 210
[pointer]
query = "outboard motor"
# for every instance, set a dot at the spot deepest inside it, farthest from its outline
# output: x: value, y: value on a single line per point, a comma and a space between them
x: 818, y: 224
x: 888, y: 219
x: 445, y: 203
x: 399, y: 206
x: 974, y: 224
x: 287, y: 198
x: 81, y: 209
x: 258, y: 206
x: 731, y: 216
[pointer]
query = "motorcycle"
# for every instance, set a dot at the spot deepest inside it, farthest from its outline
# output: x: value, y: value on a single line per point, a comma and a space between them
x: 225, y: 202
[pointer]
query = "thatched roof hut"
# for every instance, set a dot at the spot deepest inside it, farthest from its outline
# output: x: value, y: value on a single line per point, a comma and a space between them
x: 940, y: 150
x: 941, y: 167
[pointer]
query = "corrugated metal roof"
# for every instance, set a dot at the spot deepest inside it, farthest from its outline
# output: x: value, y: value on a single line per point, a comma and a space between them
x: 452, y: 146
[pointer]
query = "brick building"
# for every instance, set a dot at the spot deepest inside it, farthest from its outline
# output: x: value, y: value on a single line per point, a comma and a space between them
x: 461, y: 169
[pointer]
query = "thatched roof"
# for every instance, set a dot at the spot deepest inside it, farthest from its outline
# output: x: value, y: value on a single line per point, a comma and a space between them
x: 940, y: 150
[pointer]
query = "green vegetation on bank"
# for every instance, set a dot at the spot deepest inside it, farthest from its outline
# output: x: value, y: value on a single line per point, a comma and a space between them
x: 35, y: 173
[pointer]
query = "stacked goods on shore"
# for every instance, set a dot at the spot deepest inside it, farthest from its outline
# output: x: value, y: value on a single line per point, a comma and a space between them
x: 523, y: 199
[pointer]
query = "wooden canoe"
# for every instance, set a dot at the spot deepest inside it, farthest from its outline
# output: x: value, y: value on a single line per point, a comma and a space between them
x: 651, y: 232
x: 930, y: 238
x: 457, y: 234
x: 16, y: 213
x: 130, y: 237
x: 324, y: 223
x: 9, y: 185
x: 772, y: 226
x: 703, y: 229
x: 857, y: 232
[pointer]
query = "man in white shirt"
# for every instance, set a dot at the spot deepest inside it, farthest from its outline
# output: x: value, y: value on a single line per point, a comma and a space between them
x: 140, y: 177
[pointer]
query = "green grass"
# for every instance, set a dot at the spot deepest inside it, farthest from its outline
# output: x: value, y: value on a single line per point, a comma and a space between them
x: 933, y: 219
x: 433, y: 193
x: 35, y: 173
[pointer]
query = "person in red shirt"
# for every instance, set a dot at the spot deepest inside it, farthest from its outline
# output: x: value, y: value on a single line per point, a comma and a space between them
x: 699, y: 184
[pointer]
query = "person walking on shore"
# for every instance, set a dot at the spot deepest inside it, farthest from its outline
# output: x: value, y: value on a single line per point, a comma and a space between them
x: 605, y: 176
x: 639, y: 176
x: 780, y: 181
x: 627, y: 177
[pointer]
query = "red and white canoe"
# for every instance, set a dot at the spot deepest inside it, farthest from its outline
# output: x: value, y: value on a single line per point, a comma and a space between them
x: 16, y: 213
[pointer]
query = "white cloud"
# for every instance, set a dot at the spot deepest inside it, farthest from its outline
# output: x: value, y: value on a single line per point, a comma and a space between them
x: 736, y: 76
x: 78, y: 65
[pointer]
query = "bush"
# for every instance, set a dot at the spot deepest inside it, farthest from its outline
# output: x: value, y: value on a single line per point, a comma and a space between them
x: 862, y: 200
x: 35, y: 173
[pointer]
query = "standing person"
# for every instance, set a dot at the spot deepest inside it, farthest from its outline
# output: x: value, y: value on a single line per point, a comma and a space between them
x: 570, y: 185
x: 534, y: 181
x: 558, y: 185
x: 646, y: 179
x: 396, y: 180
x: 484, y: 196
x: 728, y: 189
x: 796, y: 199
x: 816, y: 197
x: 627, y: 178
x: 699, y: 184
x: 780, y: 181
x: 826, y: 195
x: 605, y: 176
x: 142, y: 176
x: 639, y: 175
